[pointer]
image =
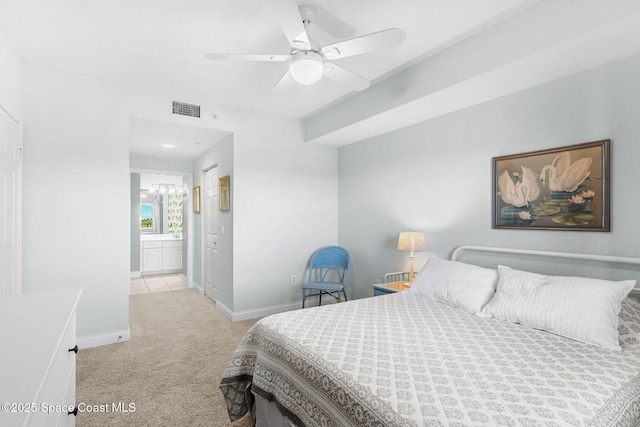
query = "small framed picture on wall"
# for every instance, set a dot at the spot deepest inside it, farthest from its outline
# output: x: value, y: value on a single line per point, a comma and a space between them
x: 196, y: 199
x: 224, y: 200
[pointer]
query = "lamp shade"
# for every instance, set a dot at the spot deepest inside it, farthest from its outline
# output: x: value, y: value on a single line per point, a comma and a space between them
x: 412, y: 241
x: 306, y: 67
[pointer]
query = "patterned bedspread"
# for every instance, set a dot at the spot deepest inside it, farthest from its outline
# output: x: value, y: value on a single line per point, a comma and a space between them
x: 401, y: 360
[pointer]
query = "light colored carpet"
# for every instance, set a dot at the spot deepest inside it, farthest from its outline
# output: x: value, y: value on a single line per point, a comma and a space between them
x: 170, y: 369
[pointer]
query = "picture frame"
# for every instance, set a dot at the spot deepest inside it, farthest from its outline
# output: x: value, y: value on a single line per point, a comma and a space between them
x: 564, y: 188
x: 196, y: 199
x: 224, y: 193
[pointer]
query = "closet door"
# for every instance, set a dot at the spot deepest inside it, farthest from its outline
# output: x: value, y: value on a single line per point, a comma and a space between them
x: 210, y: 228
x: 10, y: 205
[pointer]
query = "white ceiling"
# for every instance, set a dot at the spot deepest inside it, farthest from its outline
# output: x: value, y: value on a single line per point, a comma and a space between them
x: 189, y: 142
x: 161, y: 43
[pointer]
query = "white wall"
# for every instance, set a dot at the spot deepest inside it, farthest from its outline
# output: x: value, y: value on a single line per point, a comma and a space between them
x: 283, y: 208
x: 436, y: 176
x: 159, y: 164
x: 77, y: 198
x: 10, y: 78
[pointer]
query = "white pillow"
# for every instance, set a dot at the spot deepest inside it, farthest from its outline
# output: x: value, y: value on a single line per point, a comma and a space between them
x: 579, y: 308
x: 455, y: 283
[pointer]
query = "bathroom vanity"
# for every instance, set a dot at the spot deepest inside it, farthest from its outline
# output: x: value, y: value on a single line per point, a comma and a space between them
x: 160, y: 253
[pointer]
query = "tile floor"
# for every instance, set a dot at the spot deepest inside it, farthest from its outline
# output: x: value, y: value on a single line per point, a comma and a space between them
x: 156, y: 283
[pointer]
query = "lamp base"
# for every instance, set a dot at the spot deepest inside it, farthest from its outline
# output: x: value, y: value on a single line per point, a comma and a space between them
x: 411, y: 271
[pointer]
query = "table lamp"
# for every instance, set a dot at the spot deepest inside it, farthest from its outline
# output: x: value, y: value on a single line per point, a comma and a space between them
x: 412, y: 241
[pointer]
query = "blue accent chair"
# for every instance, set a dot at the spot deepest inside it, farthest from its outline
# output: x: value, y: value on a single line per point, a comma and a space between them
x: 328, y: 274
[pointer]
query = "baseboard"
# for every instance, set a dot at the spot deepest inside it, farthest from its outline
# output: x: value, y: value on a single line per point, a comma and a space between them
x: 100, y: 340
x: 135, y: 274
x: 224, y: 310
x: 156, y: 272
x: 184, y: 279
x: 198, y: 288
x: 256, y: 313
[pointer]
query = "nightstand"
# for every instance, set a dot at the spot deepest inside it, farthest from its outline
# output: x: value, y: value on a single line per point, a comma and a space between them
x: 389, y: 288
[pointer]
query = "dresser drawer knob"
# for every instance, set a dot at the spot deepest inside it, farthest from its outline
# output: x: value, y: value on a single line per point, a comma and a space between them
x: 75, y: 410
x: 75, y: 350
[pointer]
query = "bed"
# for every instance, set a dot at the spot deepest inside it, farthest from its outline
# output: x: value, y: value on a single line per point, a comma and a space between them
x: 464, y: 346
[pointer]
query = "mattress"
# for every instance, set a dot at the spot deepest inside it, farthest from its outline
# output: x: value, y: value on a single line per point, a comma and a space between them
x: 402, y: 360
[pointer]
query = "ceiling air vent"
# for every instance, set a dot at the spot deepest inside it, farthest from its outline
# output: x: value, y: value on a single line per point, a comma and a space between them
x: 186, y: 109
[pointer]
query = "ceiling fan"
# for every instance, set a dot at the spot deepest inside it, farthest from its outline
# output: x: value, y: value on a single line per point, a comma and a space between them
x: 308, y: 61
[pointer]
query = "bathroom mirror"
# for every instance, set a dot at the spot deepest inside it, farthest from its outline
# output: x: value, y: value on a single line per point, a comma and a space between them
x: 161, y: 213
x: 161, y: 204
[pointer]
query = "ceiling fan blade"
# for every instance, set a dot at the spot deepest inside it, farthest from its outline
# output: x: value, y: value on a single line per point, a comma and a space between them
x: 364, y: 44
x: 284, y: 83
x: 246, y: 57
x: 344, y: 77
x: 287, y: 14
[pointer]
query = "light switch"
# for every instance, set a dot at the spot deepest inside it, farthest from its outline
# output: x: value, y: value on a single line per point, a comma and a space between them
x: 222, y: 230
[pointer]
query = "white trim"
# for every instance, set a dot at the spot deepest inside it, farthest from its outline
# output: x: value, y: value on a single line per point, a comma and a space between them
x: 157, y: 272
x: 191, y: 219
x: 160, y: 172
x: 590, y: 257
x: 12, y: 112
x: 256, y: 313
x: 135, y: 274
x: 203, y: 232
x: 100, y: 340
x: 224, y: 310
x: 456, y: 255
x: 20, y: 210
x: 195, y: 286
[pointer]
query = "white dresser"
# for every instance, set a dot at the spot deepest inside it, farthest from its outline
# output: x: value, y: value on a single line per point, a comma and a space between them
x: 37, y: 359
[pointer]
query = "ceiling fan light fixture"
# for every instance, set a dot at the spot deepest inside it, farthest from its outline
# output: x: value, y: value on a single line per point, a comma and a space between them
x: 306, y: 67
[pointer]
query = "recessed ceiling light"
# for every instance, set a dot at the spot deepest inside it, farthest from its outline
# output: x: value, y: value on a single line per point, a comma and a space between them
x: 168, y: 145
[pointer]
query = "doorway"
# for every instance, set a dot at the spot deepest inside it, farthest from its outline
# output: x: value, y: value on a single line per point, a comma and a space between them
x: 211, y: 219
x: 161, y: 224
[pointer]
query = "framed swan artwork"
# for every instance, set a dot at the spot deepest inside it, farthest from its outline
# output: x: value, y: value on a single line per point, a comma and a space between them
x: 564, y: 188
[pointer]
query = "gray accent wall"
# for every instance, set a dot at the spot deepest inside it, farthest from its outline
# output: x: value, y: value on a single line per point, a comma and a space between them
x: 435, y: 176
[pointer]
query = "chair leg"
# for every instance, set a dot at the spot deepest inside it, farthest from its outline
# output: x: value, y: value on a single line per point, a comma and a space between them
x: 319, y: 298
x: 345, y: 295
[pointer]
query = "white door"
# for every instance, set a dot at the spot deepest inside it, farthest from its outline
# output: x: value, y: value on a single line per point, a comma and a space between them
x: 210, y: 228
x: 10, y: 205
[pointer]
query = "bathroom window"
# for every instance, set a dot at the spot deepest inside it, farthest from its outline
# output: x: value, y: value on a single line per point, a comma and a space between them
x: 146, y: 216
